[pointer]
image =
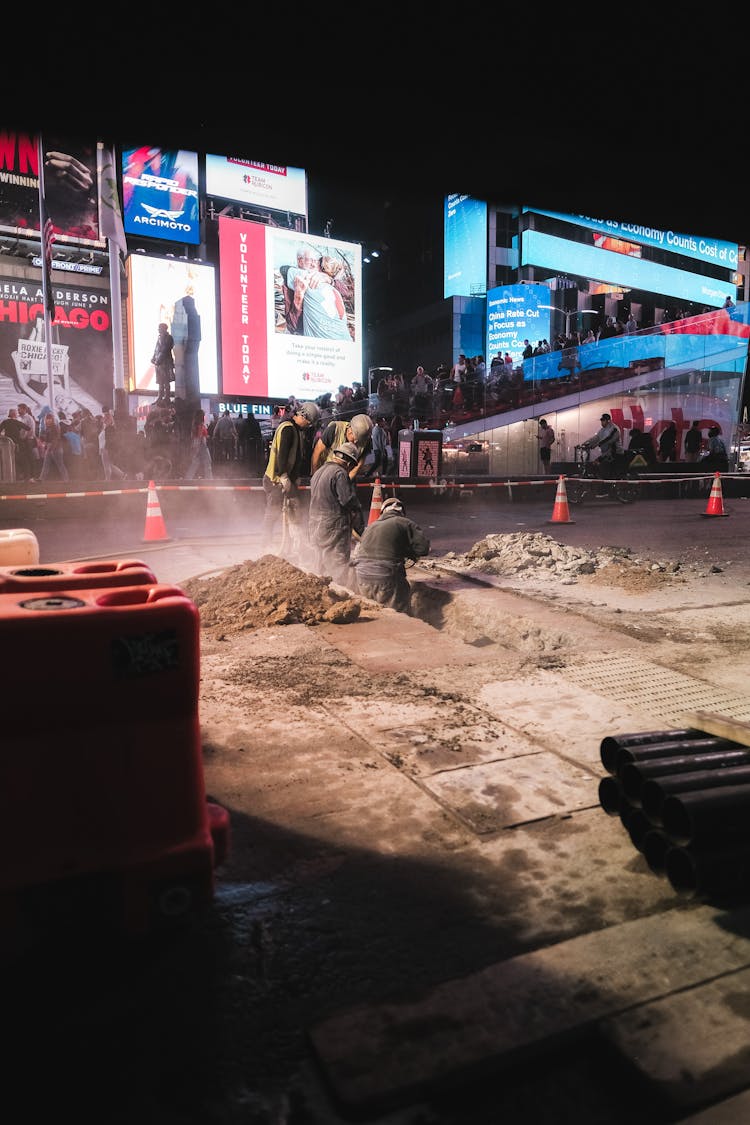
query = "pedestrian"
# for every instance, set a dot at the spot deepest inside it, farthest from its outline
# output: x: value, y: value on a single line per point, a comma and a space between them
x: 693, y: 443
x: 640, y: 450
x: 285, y: 461
x: 717, y: 458
x: 54, y: 448
x: 200, y: 455
x: 381, y: 439
x: 546, y: 437
x: 668, y: 443
x: 335, y: 512
x: 382, y: 554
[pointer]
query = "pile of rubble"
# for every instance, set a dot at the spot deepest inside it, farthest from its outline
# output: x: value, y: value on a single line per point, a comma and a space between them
x: 536, y: 556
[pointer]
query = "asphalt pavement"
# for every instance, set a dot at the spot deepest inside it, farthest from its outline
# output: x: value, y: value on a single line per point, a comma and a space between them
x: 226, y: 517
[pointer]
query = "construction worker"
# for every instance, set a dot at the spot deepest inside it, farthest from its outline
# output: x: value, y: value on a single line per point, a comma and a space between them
x: 357, y: 430
x: 285, y: 461
x: 381, y: 555
x: 335, y: 512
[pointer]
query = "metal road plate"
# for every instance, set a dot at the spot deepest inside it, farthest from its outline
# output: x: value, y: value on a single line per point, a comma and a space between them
x: 425, y: 748
x: 514, y: 791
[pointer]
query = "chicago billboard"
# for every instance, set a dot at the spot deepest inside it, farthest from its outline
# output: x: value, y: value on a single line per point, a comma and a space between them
x: 82, y: 365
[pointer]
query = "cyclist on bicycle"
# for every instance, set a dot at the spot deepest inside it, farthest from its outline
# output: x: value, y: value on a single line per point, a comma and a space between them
x: 607, y: 439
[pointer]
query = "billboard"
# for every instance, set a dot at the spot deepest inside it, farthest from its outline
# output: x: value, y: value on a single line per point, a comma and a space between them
x: 713, y: 251
x: 291, y: 311
x: 71, y: 187
x: 82, y: 364
x: 160, y: 194
x: 560, y: 255
x: 274, y: 187
x: 465, y: 246
x: 516, y: 313
x: 181, y: 295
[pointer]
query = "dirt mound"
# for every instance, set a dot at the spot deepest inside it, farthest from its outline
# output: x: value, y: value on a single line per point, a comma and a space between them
x: 268, y: 591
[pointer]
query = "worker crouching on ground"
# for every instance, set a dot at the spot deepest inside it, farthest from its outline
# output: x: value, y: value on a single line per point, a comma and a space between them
x: 358, y: 432
x: 285, y: 462
x: 335, y: 512
x: 381, y: 555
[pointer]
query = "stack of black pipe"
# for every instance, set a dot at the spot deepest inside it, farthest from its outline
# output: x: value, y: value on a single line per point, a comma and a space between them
x: 684, y: 799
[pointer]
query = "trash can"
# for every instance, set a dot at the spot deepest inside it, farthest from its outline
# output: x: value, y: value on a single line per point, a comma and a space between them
x: 7, y: 460
x: 420, y: 453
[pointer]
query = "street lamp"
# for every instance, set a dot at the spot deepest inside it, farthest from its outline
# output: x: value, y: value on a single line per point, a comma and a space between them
x: 568, y: 315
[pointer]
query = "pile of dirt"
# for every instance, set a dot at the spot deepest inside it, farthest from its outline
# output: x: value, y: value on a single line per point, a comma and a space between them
x: 535, y: 556
x: 271, y: 591
x: 268, y: 591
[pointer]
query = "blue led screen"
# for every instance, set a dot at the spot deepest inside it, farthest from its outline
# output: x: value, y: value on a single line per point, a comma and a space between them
x: 465, y: 246
x: 559, y: 255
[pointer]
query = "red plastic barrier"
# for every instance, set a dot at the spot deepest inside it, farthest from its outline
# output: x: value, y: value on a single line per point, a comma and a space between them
x: 101, y: 769
x: 74, y: 576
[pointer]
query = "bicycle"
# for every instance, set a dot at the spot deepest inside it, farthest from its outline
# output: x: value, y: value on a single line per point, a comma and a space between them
x: 590, y: 483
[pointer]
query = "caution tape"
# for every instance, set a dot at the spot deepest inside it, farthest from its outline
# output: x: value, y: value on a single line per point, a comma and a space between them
x: 438, y: 487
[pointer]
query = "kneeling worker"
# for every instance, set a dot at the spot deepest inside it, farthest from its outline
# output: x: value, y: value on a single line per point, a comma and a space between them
x: 385, y: 545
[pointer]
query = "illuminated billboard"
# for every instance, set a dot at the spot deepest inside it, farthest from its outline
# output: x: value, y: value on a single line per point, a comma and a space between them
x: 160, y: 194
x: 560, y: 255
x: 273, y: 187
x: 291, y: 311
x: 82, y: 367
x: 714, y: 251
x: 465, y: 246
x: 181, y: 295
x: 70, y: 181
x: 516, y: 313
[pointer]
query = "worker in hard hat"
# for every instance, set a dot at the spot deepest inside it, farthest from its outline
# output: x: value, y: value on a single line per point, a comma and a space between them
x: 285, y: 461
x: 382, y: 553
x: 335, y: 512
x: 357, y: 430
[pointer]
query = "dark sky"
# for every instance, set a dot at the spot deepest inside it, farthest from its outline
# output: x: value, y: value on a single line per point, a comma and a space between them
x: 609, y: 115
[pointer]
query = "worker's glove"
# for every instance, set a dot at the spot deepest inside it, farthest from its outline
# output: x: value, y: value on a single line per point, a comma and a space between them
x: 286, y: 484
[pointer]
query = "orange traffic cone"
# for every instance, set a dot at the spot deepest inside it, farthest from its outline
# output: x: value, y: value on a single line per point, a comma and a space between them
x: 155, y: 528
x: 377, y: 502
x: 561, y: 512
x: 715, y: 506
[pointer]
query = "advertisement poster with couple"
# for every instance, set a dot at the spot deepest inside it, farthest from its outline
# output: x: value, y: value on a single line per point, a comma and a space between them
x: 291, y: 311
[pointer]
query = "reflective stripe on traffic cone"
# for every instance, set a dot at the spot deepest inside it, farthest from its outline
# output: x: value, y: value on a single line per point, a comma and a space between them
x: 377, y: 502
x: 561, y: 512
x: 715, y: 506
x: 155, y: 528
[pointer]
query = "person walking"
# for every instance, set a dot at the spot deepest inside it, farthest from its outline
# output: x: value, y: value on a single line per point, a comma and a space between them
x: 668, y: 443
x: 285, y: 461
x: 717, y: 458
x: 382, y: 553
x: 54, y: 450
x: 693, y: 443
x: 200, y: 455
x: 381, y: 438
x: 546, y: 438
x: 335, y: 512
